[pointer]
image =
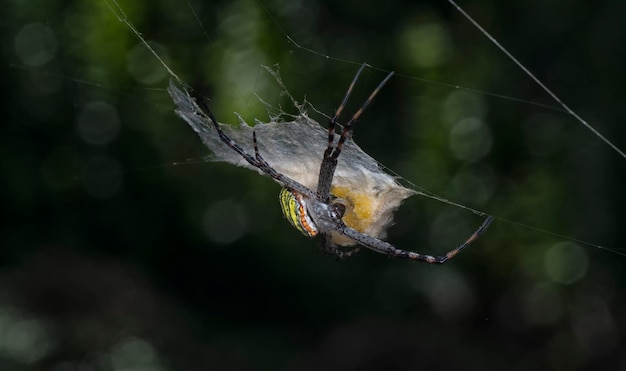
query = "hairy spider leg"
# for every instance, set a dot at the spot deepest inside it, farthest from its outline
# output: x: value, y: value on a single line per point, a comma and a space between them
x: 388, y: 249
x: 327, y: 168
x: 350, y: 125
x: 329, y: 162
x: 257, y: 161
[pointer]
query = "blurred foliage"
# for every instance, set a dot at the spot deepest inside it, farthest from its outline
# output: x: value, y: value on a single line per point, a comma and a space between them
x: 123, y: 249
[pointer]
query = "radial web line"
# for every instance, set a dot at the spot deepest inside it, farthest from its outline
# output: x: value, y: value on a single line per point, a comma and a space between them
x: 532, y: 76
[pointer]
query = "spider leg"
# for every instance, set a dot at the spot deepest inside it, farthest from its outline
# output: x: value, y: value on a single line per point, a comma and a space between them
x: 257, y: 160
x: 388, y: 249
x: 328, y: 247
x: 327, y: 169
x: 329, y: 161
x: 333, y: 122
x: 350, y: 125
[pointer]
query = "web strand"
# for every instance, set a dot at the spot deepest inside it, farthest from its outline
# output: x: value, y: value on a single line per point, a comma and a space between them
x: 535, y: 79
x: 117, y: 10
x: 119, y: 13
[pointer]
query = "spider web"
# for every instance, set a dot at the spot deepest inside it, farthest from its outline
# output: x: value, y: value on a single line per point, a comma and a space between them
x: 292, y: 148
x: 306, y: 59
x: 469, y: 125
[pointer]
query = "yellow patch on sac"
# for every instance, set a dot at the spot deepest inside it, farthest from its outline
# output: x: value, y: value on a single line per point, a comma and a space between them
x: 359, y: 210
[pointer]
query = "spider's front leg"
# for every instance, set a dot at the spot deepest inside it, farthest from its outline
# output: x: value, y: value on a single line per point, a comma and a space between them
x: 332, y: 152
x: 388, y: 249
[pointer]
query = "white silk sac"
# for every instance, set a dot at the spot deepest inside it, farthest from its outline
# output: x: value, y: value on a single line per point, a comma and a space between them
x: 295, y: 149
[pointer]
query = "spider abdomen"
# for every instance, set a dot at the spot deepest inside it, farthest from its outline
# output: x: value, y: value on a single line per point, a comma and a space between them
x: 293, y: 205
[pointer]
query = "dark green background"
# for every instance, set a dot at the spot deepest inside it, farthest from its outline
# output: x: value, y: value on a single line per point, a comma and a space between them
x: 108, y: 253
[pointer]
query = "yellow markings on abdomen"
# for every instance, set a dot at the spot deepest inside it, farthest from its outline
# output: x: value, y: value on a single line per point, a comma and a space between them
x: 293, y: 205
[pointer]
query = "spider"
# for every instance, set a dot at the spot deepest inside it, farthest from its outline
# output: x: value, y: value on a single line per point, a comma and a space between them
x: 319, y: 211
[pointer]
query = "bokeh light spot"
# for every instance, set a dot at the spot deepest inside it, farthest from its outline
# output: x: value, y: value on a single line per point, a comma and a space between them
x: 475, y: 184
x: 23, y: 340
x: 98, y: 123
x: 566, y: 262
x: 459, y: 105
x: 134, y: 354
x: 225, y: 222
x: 470, y: 139
x: 35, y: 44
x: 426, y: 45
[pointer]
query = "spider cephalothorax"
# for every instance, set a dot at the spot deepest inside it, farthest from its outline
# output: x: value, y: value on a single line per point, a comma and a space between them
x: 348, y: 203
